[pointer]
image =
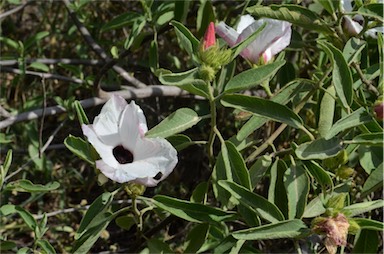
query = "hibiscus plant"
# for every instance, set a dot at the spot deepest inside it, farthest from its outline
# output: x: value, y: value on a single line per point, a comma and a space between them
x: 216, y: 127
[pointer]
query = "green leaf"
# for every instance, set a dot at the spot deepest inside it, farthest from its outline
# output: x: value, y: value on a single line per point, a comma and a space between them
x: 371, y: 157
x: 320, y: 174
x: 34, y: 39
x: 136, y: 29
x: 187, y: 40
x: 5, y: 167
x: 314, y: 208
x: 189, y: 81
x: 83, y: 119
x: 237, y: 166
x: 294, y: 14
x: 24, y: 214
x: 369, y: 224
x: 368, y: 139
x: 374, y: 181
x: 327, y: 110
x: 120, y: 21
x: 45, y: 246
x: 24, y: 185
x: 79, y: 147
x: 356, y: 118
x: 199, y: 194
x: 277, y: 193
x: 258, y: 169
x: 253, y: 77
x: 39, y: 66
x: 125, y: 222
x: 318, y: 149
x: 158, y: 246
x: 284, y: 229
x: 7, y: 245
x: 205, y: 14
x: 352, y: 50
x: 286, y: 94
x: 262, y: 107
x: 153, y: 56
x: 360, y: 208
x: 93, y: 214
x: 178, y: 121
x: 297, y: 185
x: 341, y: 74
x: 196, y: 238
x: 367, y: 241
x: 330, y: 6
x: 373, y: 11
x: 95, y: 220
x: 181, y: 10
x: 262, y: 206
x: 180, y: 141
x: 193, y: 212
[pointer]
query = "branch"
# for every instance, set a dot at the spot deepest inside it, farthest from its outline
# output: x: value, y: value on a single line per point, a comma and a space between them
x: 14, y: 10
x: 151, y: 91
x: 99, y: 50
x: 42, y: 75
x: 53, y: 61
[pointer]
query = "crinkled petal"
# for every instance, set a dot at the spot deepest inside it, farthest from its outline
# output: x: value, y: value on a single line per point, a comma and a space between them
x: 147, y: 181
x: 227, y: 33
x: 273, y: 31
x: 282, y: 42
x: 351, y: 26
x: 346, y: 5
x: 132, y: 126
x: 106, y: 123
x: 245, y: 21
x: 105, y: 151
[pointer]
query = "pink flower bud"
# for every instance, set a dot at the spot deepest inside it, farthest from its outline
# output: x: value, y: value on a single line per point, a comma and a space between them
x: 209, y: 36
x: 379, y: 110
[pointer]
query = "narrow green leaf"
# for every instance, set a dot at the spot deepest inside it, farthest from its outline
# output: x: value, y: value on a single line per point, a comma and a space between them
x: 79, y: 147
x: 180, y: 141
x: 277, y: 193
x: 199, y: 194
x: 187, y: 40
x: 356, y: 118
x: 205, y: 14
x: 262, y: 206
x: 352, y: 50
x: 189, y: 81
x: 83, y: 119
x: 120, y: 21
x: 370, y: 157
x: 39, y: 66
x: 253, y: 77
x: 262, y: 107
x: 368, y: 139
x: 153, y: 56
x: 193, y: 212
x: 294, y: 14
x: 330, y: 6
x: 297, y: 185
x: 367, y: 241
x: 34, y: 39
x: 45, y: 246
x: 178, y: 121
x: 314, y: 208
x: 24, y: 185
x: 7, y: 245
x: 258, y: 169
x: 137, y: 27
x: 284, y: 229
x: 237, y: 166
x: 360, y: 208
x: 320, y: 174
x: 369, y: 224
x: 5, y: 167
x: 327, y: 110
x: 341, y: 74
x: 125, y: 222
x: 374, y: 181
x: 318, y: 149
x: 373, y: 11
x: 24, y: 214
x: 97, y: 208
x: 196, y: 238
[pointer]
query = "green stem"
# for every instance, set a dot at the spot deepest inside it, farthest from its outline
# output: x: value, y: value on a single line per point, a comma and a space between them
x: 212, y: 134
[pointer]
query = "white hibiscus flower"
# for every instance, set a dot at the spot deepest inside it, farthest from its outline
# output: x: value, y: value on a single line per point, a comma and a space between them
x: 275, y: 37
x: 117, y: 134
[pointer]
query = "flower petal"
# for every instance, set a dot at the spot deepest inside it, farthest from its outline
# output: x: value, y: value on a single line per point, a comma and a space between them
x: 132, y: 126
x: 227, y: 33
x: 352, y: 26
x: 106, y: 123
x: 105, y: 151
x: 245, y: 21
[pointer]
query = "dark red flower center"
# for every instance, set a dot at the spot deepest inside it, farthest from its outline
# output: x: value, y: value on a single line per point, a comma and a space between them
x: 122, y: 155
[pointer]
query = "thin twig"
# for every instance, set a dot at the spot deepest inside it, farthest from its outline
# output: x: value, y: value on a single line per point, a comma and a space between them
x: 364, y: 80
x: 42, y: 75
x: 14, y: 10
x: 42, y: 119
x: 98, y: 49
x: 54, y: 61
x: 4, y: 112
x: 151, y: 91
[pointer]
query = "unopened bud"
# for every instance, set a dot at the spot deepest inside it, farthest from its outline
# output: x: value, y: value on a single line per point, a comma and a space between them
x: 378, y: 108
x: 344, y: 172
x: 134, y: 189
x: 209, y: 36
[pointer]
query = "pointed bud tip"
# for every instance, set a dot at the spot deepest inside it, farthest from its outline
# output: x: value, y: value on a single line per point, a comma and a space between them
x: 209, y: 37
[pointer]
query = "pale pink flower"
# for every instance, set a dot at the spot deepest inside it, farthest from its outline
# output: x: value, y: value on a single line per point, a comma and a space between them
x: 275, y: 37
x: 117, y: 134
x: 209, y: 36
